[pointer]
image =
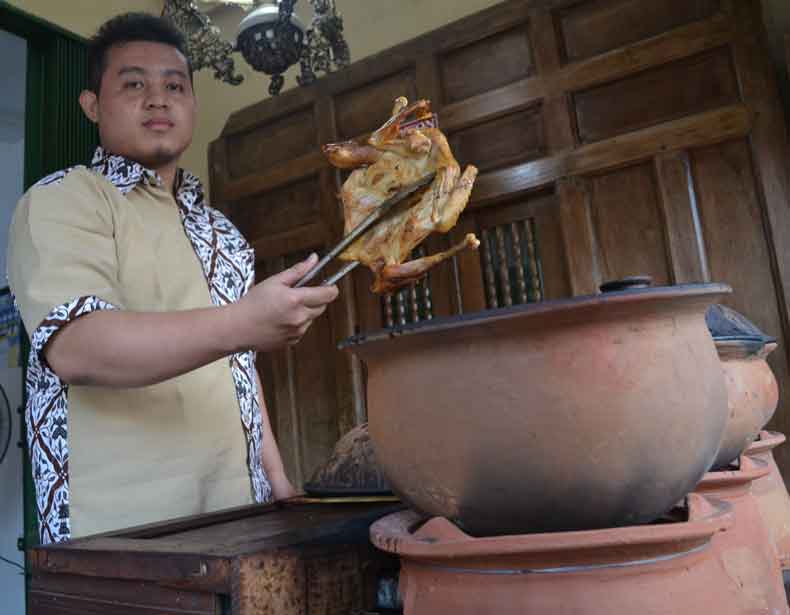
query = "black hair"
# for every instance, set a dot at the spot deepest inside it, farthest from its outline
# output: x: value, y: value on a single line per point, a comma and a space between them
x: 130, y: 28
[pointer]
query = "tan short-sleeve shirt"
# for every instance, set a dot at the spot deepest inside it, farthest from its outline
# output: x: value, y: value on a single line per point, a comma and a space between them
x: 109, y: 237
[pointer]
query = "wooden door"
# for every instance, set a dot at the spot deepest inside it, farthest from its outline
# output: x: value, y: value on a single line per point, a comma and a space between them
x: 614, y: 138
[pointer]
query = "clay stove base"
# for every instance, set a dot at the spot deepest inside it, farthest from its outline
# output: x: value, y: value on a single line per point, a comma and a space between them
x: 746, y: 551
x: 664, y: 568
x: 772, y: 497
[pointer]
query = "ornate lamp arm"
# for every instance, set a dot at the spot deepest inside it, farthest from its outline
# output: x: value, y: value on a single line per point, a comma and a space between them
x: 206, y: 47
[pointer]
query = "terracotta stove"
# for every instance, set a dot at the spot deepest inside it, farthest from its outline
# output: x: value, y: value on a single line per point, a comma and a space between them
x: 664, y: 387
x: 713, y: 553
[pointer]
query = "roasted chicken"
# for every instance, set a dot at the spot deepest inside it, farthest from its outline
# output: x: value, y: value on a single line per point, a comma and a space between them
x: 394, y: 157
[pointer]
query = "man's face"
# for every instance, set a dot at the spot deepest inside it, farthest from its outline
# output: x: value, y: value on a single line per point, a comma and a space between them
x: 146, y: 107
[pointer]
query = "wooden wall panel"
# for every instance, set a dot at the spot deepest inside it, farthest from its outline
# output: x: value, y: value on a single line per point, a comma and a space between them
x: 486, y: 64
x: 683, y: 231
x: 504, y: 141
x: 592, y: 28
x: 653, y: 96
x: 628, y: 225
x: 279, y: 210
x: 472, y: 291
x: 271, y: 143
x: 550, y: 250
x: 578, y: 234
x: 441, y: 282
x: 300, y: 391
x: 314, y: 384
x: 733, y: 223
x: 274, y: 369
x: 359, y: 111
x: 787, y: 53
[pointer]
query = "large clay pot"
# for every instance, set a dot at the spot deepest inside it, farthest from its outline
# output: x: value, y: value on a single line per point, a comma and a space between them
x: 666, y: 569
x: 771, y: 495
x: 583, y: 413
x: 752, y: 390
x: 746, y: 550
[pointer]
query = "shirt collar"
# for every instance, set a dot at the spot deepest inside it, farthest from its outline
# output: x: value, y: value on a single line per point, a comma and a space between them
x: 126, y: 174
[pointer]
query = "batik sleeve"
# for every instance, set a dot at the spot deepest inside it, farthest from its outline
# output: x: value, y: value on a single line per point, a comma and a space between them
x: 61, y: 266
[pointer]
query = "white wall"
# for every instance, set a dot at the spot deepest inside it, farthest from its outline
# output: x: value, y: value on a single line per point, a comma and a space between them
x: 13, y: 56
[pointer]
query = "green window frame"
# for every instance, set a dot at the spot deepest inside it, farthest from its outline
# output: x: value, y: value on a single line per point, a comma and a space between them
x: 57, y: 136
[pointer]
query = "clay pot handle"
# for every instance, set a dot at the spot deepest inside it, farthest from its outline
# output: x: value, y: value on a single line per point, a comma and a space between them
x: 767, y: 349
x: 440, y: 529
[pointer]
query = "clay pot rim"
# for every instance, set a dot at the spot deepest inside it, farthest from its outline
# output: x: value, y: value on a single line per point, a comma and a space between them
x: 750, y: 470
x: 741, y: 347
x: 767, y: 441
x: 637, y: 296
x: 393, y: 534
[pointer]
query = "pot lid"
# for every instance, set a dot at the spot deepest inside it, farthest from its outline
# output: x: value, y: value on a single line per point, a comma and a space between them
x: 729, y: 327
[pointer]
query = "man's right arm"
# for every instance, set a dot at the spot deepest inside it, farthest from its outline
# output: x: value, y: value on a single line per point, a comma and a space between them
x: 118, y: 348
x: 63, y: 269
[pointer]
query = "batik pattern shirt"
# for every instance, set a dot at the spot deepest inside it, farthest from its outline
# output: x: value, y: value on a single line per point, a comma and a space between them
x: 227, y: 262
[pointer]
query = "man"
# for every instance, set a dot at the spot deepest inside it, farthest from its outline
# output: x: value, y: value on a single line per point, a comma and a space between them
x: 143, y: 399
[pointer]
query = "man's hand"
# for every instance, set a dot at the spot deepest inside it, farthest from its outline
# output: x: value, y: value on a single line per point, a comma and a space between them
x: 274, y: 314
x: 117, y: 348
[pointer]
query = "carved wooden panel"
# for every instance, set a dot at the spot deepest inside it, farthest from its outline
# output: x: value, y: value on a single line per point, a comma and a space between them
x: 628, y: 225
x: 787, y: 53
x: 486, y: 64
x: 503, y: 141
x: 283, y: 139
x: 733, y: 227
x: 685, y: 243
x: 592, y: 28
x: 301, y: 390
x: 614, y: 138
x: 654, y: 96
x: 358, y: 111
x: 279, y: 210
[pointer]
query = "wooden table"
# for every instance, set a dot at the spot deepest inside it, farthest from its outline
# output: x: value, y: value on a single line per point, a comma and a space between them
x: 282, y: 559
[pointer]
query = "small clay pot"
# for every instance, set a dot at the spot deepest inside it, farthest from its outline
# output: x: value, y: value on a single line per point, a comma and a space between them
x: 752, y: 390
x: 752, y: 396
x: 351, y: 469
x: 670, y: 568
x: 746, y: 551
x: 771, y: 495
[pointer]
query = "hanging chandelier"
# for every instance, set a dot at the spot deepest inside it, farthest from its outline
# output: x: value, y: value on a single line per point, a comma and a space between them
x: 271, y: 38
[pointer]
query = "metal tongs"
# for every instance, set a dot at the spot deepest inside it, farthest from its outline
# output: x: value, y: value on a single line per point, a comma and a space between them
x: 373, y: 218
